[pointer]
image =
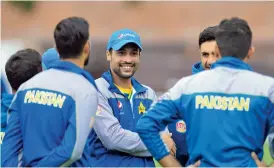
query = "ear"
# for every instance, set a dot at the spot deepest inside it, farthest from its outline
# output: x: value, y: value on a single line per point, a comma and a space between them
x: 108, y: 54
x: 86, y: 49
x: 250, y: 52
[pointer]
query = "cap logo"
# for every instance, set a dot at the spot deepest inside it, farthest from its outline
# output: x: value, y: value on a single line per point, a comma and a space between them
x: 124, y: 35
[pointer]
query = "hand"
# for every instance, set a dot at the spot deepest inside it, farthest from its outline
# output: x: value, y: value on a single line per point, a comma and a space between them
x: 197, y: 164
x: 166, y: 137
x: 173, y: 150
x: 257, y: 161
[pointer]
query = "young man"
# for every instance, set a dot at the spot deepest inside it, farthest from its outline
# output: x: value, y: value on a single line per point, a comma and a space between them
x: 19, y: 68
x: 123, y: 100
x: 207, y: 47
x: 225, y: 119
x: 54, y: 111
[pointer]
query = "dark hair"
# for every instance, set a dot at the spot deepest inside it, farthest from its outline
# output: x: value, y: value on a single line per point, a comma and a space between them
x: 207, y: 34
x: 234, y: 37
x: 71, y: 35
x: 22, y: 66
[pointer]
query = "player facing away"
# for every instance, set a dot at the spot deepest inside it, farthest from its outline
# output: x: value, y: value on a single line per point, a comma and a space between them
x: 20, y: 67
x: 123, y: 100
x: 207, y: 48
x: 54, y: 111
x: 227, y: 117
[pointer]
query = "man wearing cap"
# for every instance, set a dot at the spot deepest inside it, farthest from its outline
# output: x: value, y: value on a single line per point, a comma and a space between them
x: 123, y: 100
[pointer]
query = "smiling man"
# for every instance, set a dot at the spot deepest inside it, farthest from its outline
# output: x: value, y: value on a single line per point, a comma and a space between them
x: 207, y: 44
x: 123, y: 100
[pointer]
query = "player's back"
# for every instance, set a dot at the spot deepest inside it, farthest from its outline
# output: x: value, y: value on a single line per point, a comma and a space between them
x: 227, y: 113
x: 46, y: 106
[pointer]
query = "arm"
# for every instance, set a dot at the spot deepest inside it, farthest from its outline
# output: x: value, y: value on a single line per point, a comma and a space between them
x: 270, y: 136
x: 78, y: 129
x: 258, y: 162
x: 113, y: 136
x: 13, y: 140
x: 156, y: 119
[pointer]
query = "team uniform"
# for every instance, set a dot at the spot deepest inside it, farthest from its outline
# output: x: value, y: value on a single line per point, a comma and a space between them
x: 178, y: 128
x: 49, y: 57
x: 228, y: 112
x: 6, y: 99
x: 196, y: 68
x: 5, y: 103
x: 113, y: 142
x: 50, y: 119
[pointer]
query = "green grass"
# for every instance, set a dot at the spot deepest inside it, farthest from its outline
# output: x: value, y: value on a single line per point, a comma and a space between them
x: 267, y: 157
x: 157, y: 164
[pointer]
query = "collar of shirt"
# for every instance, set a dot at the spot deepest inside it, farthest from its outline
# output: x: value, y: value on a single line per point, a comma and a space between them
x: 231, y: 62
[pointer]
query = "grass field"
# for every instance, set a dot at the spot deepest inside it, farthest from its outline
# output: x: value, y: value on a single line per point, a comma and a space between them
x: 266, y: 158
x: 157, y: 164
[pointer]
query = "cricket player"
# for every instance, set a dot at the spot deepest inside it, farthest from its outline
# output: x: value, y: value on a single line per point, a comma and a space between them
x: 54, y: 111
x: 19, y: 68
x: 123, y: 100
x: 227, y: 117
x: 207, y: 47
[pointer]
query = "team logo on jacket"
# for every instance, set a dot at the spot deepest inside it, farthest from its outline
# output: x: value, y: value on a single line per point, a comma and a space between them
x: 141, y: 108
x: 120, y: 105
x: 181, y: 126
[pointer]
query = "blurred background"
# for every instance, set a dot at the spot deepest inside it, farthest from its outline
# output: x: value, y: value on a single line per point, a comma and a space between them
x: 169, y: 32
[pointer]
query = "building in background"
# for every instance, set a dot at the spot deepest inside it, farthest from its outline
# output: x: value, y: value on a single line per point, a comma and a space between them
x: 169, y: 31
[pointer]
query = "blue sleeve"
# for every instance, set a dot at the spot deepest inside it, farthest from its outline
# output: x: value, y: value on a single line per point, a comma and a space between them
x: 3, y: 116
x: 13, y: 140
x: 79, y: 127
x: 162, y: 113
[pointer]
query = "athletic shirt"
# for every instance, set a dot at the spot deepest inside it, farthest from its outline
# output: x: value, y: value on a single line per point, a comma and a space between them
x: 126, y: 92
